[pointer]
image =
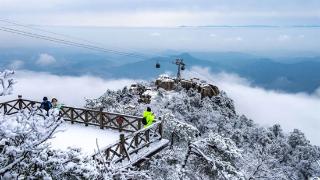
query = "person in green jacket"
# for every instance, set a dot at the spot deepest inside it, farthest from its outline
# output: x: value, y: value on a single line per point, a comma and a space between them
x: 149, y: 117
x: 147, y: 112
x: 55, y: 103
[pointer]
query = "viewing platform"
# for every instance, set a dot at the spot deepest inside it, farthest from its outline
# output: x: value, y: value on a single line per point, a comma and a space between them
x: 125, y: 141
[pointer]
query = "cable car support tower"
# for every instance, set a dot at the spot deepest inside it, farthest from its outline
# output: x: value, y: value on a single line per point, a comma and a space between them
x: 181, y: 66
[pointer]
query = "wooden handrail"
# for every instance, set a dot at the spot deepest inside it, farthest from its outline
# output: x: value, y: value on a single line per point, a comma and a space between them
x: 99, y: 118
x: 9, y: 101
x: 77, y: 108
x: 133, y: 134
x: 127, y: 145
x: 144, y: 129
x: 118, y: 151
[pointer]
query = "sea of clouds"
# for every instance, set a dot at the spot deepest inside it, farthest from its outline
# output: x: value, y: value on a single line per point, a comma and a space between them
x: 266, y: 107
x: 69, y: 90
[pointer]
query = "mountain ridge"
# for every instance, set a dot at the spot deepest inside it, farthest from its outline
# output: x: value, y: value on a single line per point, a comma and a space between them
x: 300, y: 75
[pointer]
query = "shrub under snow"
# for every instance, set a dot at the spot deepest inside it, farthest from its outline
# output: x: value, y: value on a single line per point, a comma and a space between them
x: 230, y: 146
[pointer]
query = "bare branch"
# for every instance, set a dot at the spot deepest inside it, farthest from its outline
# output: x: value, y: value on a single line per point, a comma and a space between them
x: 6, y: 82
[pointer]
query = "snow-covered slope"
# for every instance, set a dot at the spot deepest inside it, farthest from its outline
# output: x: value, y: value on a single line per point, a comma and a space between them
x: 212, y: 141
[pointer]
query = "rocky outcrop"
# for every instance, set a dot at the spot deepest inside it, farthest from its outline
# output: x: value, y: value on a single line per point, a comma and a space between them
x: 206, y: 90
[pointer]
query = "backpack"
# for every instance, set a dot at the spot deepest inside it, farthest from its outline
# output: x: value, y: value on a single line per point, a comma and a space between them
x: 144, y: 121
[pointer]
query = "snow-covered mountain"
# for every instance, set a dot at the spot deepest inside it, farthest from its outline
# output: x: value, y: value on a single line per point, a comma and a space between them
x: 210, y: 140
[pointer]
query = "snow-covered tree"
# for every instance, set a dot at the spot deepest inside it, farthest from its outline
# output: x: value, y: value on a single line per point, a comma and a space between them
x: 215, y: 157
x: 266, y: 152
x: 22, y: 137
x: 6, y: 82
x: 26, y: 154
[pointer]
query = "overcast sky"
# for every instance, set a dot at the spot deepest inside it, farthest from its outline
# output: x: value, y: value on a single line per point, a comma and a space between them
x: 162, y: 12
x: 84, y: 19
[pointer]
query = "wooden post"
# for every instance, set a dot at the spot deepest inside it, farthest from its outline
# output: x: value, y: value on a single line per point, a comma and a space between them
x: 160, y: 130
x: 5, y: 108
x: 122, y: 147
x: 171, y: 144
x: 72, y: 115
x: 123, y: 150
x: 20, y: 101
x: 101, y: 118
x: 108, y: 154
x: 120, y: 126
x: 136, y: 140
x: 139, y: 123
x: 147, y: 134
x: 86, y: 117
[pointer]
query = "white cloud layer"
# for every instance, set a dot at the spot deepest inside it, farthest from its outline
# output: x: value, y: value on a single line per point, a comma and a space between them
x: 155, y: 34
x: 45, y: 60
x: 263, y: 106
x: 68, y: 90
x: 16, y: 64
x: 284, y: 37
x: 267, y: 107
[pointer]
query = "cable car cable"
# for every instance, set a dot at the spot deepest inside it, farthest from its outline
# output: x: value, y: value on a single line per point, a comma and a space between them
x: 71, y: 43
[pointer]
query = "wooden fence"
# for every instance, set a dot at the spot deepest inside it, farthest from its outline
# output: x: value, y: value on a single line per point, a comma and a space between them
x: 131, y: 144
x: 100, y: 118
x: 125, y: 147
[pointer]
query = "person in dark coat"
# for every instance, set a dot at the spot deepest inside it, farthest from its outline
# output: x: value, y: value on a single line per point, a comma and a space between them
x: 46, y: 105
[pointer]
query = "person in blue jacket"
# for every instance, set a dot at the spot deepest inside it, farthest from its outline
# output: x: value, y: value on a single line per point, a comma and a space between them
x: 46, y: 105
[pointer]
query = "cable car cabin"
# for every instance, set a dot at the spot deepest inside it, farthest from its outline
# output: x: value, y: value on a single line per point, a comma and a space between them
x: 158, y: 65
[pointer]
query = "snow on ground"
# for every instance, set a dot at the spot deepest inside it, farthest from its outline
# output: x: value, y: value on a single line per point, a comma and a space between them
x: 80, y: 136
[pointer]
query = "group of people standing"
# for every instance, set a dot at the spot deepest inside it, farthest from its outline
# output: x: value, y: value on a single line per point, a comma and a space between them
x: 148, y: 116
x: 47, y: 105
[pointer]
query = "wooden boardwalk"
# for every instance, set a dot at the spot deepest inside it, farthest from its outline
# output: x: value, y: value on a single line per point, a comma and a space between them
x: 138, y: 144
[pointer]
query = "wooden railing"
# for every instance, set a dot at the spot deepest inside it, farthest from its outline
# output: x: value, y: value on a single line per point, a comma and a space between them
x: 126, y: 146
x: 122, y: 149
x: 100, y: 118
